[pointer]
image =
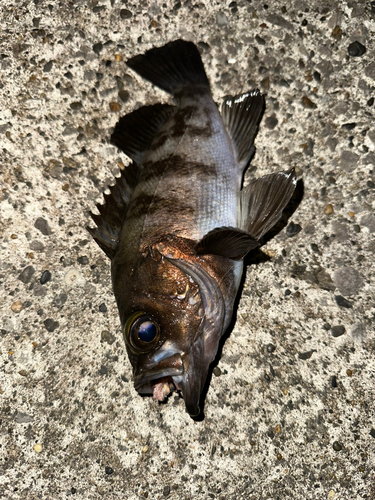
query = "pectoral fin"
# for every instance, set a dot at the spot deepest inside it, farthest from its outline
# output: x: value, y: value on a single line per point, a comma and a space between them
x: 263, y: 201
x: 228, y: 242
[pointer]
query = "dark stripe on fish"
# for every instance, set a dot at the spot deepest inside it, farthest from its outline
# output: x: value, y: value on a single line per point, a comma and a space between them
x: 178, y: 167
x: 145, y: 204
x: 160, y: 141
x: 179, y: 126
x: 182, y: 126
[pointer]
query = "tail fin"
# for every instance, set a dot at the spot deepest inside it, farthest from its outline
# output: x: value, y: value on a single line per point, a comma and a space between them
x: 172, y: 67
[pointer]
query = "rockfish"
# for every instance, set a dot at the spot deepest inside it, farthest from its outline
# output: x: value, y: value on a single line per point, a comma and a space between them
x: 178, y: 222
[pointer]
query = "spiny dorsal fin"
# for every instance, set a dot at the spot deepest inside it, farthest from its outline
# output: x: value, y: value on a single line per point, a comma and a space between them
x: 263, y: 201
x: 228, y: 242
x: 113, y: 211
x: 241, y: 116
x: 134, y: 132
x: 171, y: 67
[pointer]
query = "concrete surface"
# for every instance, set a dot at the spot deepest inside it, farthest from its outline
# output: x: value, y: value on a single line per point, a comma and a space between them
x: 290, y: 409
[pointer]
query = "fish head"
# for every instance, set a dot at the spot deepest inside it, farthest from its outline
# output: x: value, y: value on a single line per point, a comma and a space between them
x: 172, y: 318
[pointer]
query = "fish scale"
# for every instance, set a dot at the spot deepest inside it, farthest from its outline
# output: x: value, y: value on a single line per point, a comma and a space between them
x: 178, y: 224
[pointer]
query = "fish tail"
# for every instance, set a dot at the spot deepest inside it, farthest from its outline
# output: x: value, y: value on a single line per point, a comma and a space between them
x: 173, y: 67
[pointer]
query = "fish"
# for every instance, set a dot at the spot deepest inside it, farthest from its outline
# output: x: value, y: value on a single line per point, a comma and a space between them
x: 178, y: 222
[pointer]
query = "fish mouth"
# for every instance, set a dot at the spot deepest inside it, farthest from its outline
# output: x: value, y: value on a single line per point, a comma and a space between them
x: 161, y: 381
x: 154, y: 383
x: 163, y: 387
x: 157, y: 378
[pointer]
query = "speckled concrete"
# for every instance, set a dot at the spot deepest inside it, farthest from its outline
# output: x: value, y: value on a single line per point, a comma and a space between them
x: 290, y: 409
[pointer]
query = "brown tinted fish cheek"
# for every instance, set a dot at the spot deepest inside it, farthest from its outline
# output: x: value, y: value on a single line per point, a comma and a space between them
x: 165, y: 292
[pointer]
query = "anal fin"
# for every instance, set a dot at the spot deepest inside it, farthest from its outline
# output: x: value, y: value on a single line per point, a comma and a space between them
x: 263, y: 201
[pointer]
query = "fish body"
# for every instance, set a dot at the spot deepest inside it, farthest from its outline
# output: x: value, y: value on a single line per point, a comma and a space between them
x: 178, y: 222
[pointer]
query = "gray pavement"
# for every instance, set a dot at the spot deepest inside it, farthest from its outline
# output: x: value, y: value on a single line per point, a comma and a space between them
x: 289, y: 412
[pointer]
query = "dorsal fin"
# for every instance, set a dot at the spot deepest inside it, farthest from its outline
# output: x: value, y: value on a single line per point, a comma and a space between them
x: 263, y: 201
x: 134, y: 132
x: 172, y: 67
x: 113, y: 211
x: 228, y: 242
x: 241, y: 116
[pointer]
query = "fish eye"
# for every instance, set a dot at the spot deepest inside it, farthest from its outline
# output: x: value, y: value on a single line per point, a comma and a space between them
x: 141, y: 332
